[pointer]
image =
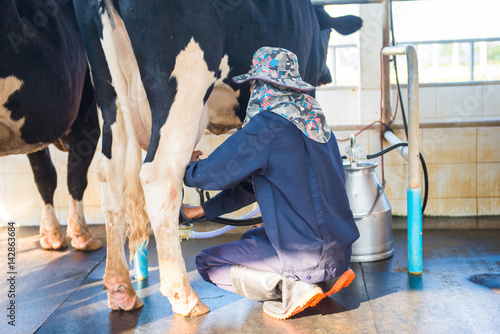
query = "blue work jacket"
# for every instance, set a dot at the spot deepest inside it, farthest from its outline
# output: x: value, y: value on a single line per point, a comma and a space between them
x: 299, y: 186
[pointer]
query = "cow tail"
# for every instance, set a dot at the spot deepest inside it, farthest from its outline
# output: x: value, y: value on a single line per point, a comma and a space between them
x: 134, y: 199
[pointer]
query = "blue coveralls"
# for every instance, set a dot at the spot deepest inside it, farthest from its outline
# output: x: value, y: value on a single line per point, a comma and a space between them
x: 299, y: 186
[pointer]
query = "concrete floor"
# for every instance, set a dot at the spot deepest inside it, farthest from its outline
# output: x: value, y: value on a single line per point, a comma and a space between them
x: 459, y: 292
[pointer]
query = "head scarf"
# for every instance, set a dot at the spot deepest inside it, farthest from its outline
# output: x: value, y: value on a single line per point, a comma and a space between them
x: 297, y: 107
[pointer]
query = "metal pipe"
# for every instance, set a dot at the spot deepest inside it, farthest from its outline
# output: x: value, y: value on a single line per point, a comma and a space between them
x: 398, y: 50
x: 427, y: 125
x: 386, y: 74
x: 413, y: 150
x: 471, y: 68
x: 451, y: 41
x: 414, y: 191
x: 460, y: 124
x: 413, y: 112
x: 393, y: 139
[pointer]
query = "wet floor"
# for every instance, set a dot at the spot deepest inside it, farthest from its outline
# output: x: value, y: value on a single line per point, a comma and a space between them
x: 458, y: 292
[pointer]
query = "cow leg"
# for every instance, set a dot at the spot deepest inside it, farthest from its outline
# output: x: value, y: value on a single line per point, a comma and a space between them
x: 163, y: 171
x: 111, y: 174
x: 82, y: 141
x: 110, y: 165
x: 121, y: 295
x: 46, y: 182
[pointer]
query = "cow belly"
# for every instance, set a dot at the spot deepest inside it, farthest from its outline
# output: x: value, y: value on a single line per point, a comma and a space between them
x: 10, y: 130
x: 12, y: 143
x: 222, y: 105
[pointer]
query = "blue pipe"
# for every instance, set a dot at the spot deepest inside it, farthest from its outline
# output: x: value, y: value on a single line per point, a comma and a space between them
x: 414, y: 201
x: 141, y: 262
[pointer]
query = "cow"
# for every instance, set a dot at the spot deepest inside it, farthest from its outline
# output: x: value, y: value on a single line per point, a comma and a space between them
x: 46, y: 96
x: 162, y: 73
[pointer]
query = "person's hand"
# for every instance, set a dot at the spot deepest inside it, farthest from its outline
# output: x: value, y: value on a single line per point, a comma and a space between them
x: 195, y: 155
x: 193, y: 211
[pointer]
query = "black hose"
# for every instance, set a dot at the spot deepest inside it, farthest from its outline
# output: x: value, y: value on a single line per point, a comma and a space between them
x: 396, y: 72
x: 424, y: 168
x: 384, y: 151
x: 426, y: 182
x: 184, y: 220
x: 237, y: 222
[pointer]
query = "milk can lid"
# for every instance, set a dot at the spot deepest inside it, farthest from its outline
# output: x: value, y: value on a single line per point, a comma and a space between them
x: 359, y: 166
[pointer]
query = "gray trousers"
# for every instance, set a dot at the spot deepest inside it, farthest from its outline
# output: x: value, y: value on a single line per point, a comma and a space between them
x: 214, y: 263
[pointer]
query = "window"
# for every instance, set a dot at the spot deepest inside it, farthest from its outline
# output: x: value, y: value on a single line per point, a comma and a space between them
x: 456, y: 41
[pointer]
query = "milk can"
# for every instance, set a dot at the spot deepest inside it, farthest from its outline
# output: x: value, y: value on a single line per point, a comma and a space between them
x: 370, y: 207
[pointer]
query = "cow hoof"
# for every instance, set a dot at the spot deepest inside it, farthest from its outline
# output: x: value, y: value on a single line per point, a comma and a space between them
x: 125, y: 305
x: 53, y: 240
x: 199, y: 309
x: 91, y: 244
x: 122, y: 298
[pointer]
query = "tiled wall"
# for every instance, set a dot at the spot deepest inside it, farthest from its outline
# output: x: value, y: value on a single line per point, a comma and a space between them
x: 463, y: 163
x: 436, y: 103
x: 19, y: 195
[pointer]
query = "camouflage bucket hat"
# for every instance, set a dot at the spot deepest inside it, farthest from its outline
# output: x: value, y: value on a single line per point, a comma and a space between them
x: 277, y: 66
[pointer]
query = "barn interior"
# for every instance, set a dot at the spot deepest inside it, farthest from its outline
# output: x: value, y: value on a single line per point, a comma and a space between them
x: 451, y: 284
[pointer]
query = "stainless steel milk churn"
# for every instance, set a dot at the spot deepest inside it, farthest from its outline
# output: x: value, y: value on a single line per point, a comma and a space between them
x: 370, y: 207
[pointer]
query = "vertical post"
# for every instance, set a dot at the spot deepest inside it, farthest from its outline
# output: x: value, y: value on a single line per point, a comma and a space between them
x: 414, y: 198
x: 414, y: 192
x: 472, y: 61
x: 386, y: 74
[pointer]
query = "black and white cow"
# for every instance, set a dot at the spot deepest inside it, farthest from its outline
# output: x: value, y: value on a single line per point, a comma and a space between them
x: 162, y: 74
x: 45, y: 97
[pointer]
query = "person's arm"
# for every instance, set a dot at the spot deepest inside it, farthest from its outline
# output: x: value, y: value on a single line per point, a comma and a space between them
x: 242, y: 154
x: 226, y: 201
x: 230, y: 200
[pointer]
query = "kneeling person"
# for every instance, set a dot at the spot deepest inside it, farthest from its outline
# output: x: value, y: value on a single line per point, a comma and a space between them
x: 287, y: 159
